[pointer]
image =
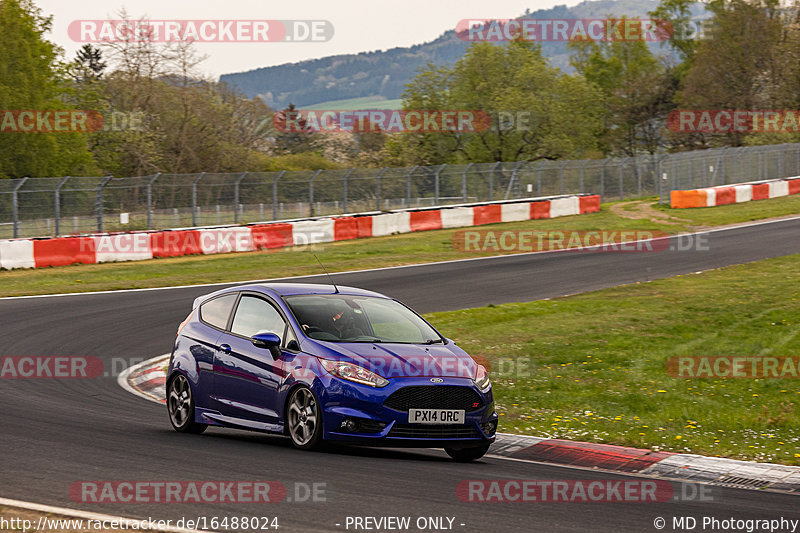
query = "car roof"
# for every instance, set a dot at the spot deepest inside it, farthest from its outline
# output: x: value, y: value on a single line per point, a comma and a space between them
x: 292, y: 289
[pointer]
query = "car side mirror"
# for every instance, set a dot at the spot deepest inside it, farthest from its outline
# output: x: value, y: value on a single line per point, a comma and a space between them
x: 268, y: 341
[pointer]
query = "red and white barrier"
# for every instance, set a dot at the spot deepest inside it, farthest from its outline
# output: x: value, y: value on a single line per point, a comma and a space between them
x: 734, y: 194
x: 137, y: 246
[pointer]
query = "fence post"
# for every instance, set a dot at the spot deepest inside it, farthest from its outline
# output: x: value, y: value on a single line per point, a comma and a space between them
x: 150, y: 200
x: 561, y: 176
x: 311, y: 193
x: 539, y: 180
x: 582, y: 167
x: 603, y: 180
x: 236, y: 197
x: 15, y: 205
x: 57, y: 205
x: 621, y: 165
x: 99, y: 203
x: 491, y: 180
x: 514, y: 178
x: 436, y: 183
x: 408, y: 185
x: 194, y: 198
x: 464, y: 183
x: 378, y: 188
x: 344, y: 199
x: 275, y: 194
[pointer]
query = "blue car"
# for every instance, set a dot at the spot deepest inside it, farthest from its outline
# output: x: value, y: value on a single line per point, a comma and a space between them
x: 325, y: 363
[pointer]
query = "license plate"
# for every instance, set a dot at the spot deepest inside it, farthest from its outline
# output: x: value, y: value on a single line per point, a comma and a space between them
x: 436, y: 416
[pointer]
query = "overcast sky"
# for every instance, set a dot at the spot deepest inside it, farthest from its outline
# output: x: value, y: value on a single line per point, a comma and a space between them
x: 359, y: 25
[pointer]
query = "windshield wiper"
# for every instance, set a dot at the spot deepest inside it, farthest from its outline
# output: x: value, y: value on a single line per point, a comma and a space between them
x: 434, y: 341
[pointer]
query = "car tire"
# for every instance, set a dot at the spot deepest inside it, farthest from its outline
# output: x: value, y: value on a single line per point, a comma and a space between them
x: 304, y: 419
x: 180, y: 406
x: 466, y: 455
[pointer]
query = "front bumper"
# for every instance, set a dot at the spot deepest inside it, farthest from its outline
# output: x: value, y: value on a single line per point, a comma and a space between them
x: 379, y: 425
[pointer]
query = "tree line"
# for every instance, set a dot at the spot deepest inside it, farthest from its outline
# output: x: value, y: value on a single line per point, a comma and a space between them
x: 161, y: 115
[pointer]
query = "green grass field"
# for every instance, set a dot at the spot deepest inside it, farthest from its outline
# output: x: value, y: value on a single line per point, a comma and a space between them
x: 375, y: 252
x: 591, y: 367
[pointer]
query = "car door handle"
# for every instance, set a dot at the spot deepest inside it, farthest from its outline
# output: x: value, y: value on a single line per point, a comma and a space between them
x: 226, y: 348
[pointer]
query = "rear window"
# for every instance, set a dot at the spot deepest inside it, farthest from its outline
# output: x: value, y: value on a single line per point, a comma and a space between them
x: 216, y: 312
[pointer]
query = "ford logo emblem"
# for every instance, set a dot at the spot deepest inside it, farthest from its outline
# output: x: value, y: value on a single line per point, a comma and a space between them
x: 437, y: 380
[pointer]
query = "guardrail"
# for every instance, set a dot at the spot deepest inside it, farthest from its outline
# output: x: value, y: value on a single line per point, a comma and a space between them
x: 736, y: 193
x: 137, y: 246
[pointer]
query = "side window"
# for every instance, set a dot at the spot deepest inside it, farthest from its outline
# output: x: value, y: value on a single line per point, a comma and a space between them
x: 289, y: 340
x: 216, y: 312
x: 255, y: 315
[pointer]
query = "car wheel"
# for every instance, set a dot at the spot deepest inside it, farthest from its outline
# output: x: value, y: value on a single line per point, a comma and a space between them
x: 304, y: 419
x: 465, y: 455
x: 180, y: 404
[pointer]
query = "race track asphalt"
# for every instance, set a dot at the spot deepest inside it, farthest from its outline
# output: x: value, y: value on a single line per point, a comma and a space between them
x: 58, y: 432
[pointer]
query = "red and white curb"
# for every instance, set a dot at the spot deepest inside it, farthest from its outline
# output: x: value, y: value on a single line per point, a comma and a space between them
x: 139, y: 246
x: 734, y: 194
x: 147, y: 381
x: 664, y: 465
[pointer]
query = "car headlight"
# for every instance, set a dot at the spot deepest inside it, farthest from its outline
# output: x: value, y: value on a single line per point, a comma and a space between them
x: 482, y: 378
x: 351, y: 372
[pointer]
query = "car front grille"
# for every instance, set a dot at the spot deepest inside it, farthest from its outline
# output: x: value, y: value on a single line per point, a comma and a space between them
x: 434, y: 397
x: 424, y: 431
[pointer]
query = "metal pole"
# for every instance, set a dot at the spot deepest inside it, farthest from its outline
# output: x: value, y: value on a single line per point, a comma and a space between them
x: 378, y: 188
x: 561, y: 177
x: 491, y: 181
x: 344, y: 200
x: 539, y: 181
x: 436, y: 184
x: 620, y: 165
x: 150, y: 200
x: 603, y: 180
x: 15, y: 205
x: 99, y: 203
x: 582, y: 167
x: 194, y: 198
x: 311, y: 193
x: 57, y: 205
x: 275, y: 195
x: 464, y: 183
x: 408, y: 185
x: 236, y: 197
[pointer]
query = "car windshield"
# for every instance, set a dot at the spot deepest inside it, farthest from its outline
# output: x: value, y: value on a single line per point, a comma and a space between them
x: 343, y: 318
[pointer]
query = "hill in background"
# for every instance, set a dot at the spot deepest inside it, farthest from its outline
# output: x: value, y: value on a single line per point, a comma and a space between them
x: 377, y: 79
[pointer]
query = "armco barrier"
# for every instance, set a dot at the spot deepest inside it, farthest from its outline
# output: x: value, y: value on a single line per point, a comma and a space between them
x: 734, y: 194
x: 137, y: 246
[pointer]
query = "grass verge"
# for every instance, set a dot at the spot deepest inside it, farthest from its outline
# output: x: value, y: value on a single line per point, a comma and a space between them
x: 359, y: 254
x: 591, y: 367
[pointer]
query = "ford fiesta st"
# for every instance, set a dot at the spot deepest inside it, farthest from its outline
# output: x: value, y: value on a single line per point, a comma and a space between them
x: 324, y: 363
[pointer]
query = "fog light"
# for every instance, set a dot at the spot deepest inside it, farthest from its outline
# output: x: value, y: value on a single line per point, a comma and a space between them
x: 489, y: 427
x: 348, y: 424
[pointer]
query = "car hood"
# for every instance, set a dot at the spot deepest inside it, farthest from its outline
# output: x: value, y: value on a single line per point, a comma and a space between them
x: 392, y: 360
